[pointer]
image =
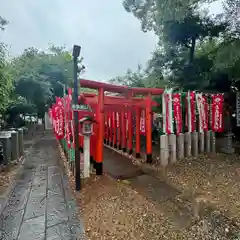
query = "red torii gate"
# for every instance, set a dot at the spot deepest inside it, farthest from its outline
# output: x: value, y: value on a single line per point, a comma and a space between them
x: 130, y: 101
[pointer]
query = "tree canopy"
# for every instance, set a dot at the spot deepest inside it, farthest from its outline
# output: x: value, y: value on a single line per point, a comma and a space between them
x: 195, y: 50
x: 30, y: 82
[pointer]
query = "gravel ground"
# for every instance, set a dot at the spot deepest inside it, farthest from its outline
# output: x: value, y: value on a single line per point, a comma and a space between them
x: 112, y: 209
x: 215, y: 179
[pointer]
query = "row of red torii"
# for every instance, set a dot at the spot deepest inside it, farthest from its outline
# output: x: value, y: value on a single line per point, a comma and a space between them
x: 114, y: 122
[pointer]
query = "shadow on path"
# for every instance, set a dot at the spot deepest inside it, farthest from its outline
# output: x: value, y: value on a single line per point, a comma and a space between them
x: 41, y: 205
x: 160, y: 192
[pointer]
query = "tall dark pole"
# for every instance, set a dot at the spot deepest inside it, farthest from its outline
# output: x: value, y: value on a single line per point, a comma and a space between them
x: 76, y: 53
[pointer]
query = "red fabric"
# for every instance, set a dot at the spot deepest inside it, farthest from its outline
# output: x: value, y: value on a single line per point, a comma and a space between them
x: 177, y: 110
x: 217, y: 112
x: 143, y: 123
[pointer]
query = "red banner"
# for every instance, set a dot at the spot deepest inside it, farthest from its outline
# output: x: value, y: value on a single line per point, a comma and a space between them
x: 70, y: 117
x: 202, y: 106
x: 60, y: 119
x: 143, y: 123
x: 68, y: 125
x: 205, y: 108
x: 54, y: 117
x: 118, y: 119
x: 217, y: 112
x: 177, y: 110
x: 191, y: 111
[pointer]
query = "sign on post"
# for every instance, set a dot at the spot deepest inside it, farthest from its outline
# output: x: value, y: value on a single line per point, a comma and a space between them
x: 81, y: 107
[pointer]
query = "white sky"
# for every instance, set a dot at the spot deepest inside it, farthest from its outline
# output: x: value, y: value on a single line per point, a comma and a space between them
x: 111, y: 38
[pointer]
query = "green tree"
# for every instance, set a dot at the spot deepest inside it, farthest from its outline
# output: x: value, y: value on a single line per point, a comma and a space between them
x: 232, y: 14
x: 38, y: 75
x: 6, y: 85
x: 180, y: 34
x: 3, y: 23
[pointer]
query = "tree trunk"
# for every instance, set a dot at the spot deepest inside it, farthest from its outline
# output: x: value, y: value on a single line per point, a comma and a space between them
x: 192, y: 50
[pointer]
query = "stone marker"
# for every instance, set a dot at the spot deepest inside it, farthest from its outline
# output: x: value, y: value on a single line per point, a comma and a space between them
x: 227, y: 144
x: 172, y: 148
x: 208, y: 141
x: 14, y: 145
x: 5, y: 139
x: 164, y: 150
x: 20, y: 142
x: 180, y: 146
x: 195, y: 144
x: 201, y: 142
x: 213, y: 142
x: 187, y: 144
x: 86, y: 156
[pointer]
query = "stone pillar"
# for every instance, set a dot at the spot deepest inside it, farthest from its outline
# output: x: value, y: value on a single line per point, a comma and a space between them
x: 195, y: 144
x: 213, y: 142
x: 14, y: 145
x: 201, y: 142
x: 164, y: 154
x: 172, y: 148
x: 227, y: 144
x: 187, y: 144
x: 208, y: 141
x: 180, y: 146
x: 20, y: 142
x: 86, y: 156
x: 5, y: 139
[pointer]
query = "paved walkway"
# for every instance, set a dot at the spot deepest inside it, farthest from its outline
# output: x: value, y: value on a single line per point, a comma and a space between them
x: 40, y: 206
x: 119, y: 166
x: 165, y: 196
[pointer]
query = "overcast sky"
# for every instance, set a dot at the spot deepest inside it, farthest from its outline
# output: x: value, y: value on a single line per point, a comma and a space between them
x: 111, y: 38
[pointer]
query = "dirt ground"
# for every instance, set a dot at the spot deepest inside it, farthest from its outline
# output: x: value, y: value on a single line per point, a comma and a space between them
x: 7, y: 175
x: 214, y: 179
x: 113, y: 209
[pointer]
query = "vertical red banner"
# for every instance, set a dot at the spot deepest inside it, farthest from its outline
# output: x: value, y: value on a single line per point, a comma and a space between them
x: 177, y: 110
x: 205, y: 109
x: 71, y: 132
x: 217, y: 112
x: 60, y: 119
x: 193, y: 111
x: 143, y: 123
x: 68, y: 129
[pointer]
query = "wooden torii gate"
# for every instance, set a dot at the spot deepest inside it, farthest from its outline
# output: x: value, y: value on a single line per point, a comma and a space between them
x: 129, y: 101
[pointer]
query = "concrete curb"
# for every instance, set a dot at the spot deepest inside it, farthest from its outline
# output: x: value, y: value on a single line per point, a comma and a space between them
x: 69, y: 196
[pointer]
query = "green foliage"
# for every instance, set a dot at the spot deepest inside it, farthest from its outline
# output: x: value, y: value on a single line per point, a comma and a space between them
x: 39, y: 75
x: 140, y: 78
x: 6, y: 85
x: 3, y: 23
x: 153, y: 13
x: 228, y: 57
x: 232, y: 11
x: 195, y: 50
x: 30, y: 82
x: 131, y: 79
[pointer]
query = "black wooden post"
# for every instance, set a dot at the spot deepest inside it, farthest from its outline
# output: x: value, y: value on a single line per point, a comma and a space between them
x: 76, y: 53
